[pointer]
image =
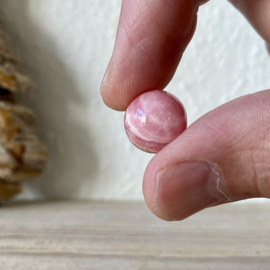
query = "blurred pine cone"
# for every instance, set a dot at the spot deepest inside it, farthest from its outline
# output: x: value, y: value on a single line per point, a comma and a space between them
x: 22, y: 155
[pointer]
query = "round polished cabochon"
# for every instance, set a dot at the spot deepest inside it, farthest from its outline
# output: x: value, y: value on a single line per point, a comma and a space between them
x: 154, y: 119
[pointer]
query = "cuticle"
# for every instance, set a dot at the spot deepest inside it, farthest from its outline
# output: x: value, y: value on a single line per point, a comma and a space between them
x: 217, y: 170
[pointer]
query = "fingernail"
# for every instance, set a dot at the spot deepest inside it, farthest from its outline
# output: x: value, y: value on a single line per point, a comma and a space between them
x: 104, y: 80
x: 187, y: 188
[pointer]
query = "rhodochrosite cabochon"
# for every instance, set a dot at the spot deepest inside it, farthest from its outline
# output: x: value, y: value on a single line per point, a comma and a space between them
x: 154, y: 119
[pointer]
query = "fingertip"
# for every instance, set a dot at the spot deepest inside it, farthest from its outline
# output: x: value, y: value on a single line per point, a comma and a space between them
x: 111, y: 96
x: 110, y: 101
x: 150, y: 42
x: 184, y: 189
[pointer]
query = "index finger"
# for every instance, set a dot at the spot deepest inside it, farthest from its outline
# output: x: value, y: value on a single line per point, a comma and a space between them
x: 151, y: 38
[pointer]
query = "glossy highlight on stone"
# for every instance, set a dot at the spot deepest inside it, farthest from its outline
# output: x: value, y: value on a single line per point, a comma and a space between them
x: 154, y: 119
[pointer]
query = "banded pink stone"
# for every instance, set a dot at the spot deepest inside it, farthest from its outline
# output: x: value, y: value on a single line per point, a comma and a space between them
x: 154, y: 119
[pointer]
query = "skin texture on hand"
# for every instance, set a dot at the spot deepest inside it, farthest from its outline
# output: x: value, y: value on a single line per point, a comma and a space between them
x: 151, y: 38
x: 225, y: 155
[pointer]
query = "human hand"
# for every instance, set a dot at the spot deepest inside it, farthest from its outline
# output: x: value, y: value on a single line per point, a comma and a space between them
x: 225, y: 155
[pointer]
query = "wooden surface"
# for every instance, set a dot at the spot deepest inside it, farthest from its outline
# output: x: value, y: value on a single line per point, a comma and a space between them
x: 126, y: 235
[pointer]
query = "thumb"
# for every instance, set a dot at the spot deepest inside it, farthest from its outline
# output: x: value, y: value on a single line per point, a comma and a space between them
x: 223, y: 157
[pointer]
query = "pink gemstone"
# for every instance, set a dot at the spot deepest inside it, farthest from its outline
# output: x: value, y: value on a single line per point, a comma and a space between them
x: 154, y: 119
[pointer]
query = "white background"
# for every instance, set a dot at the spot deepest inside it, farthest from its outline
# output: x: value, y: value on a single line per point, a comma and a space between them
x: 66, y: 45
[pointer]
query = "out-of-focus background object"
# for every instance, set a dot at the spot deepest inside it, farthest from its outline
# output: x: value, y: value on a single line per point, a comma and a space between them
x: 22, y: 155
x: 67, y: 44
